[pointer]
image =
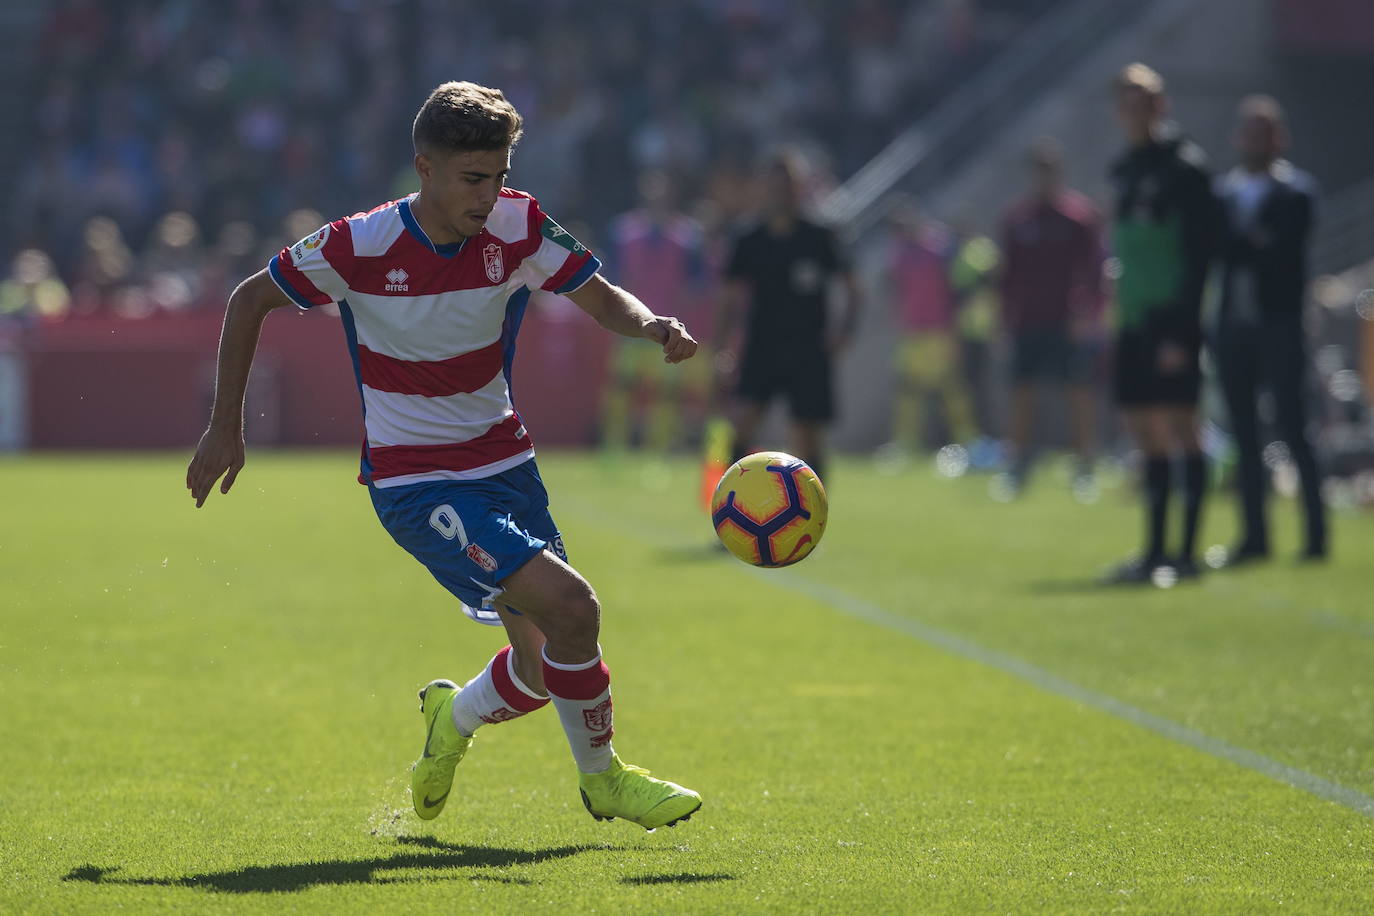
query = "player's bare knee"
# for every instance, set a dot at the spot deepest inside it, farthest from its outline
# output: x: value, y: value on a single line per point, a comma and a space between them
x: 582, y: 612
x: 573, y: 623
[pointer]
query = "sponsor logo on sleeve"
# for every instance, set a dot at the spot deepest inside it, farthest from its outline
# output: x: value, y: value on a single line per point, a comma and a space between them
x: 308, y: 244
x: 481, y: 558
x: 559, y: 236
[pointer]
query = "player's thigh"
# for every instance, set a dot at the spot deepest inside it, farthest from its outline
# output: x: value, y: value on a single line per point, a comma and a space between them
x: 762, y: 373
x: 1181, y: 423
x: 810, y: 391
x: 927, y: 359
x: 1139, y: 427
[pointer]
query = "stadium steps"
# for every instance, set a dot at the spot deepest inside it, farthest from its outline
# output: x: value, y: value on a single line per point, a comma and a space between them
x: 1345, y: 234
x: 20, y: 22
x: 1039, y: 59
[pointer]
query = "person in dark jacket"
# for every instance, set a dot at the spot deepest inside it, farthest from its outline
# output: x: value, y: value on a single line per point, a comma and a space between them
x: 1164, y: 233
x: 1270, y: 207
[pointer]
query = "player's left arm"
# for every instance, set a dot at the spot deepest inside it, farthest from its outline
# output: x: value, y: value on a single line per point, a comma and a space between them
x: 620, y: 311
x: 850, y: 311
x: 837, y: 260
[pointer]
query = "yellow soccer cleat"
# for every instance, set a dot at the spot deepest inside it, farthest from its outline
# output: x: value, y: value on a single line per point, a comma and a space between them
x: 431, y: 777
x: 630, y: 793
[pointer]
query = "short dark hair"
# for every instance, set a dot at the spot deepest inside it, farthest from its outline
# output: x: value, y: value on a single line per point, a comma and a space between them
x: 460, y: 117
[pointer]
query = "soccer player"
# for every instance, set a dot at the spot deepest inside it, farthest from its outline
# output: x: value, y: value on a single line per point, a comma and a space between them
x: 1051, y: 308
x: 659, y: 252
x: 780, y: 273
x: 1164, y: 235
x: 432, y: 289
x: 1270, y: 209
x: 927, y: 356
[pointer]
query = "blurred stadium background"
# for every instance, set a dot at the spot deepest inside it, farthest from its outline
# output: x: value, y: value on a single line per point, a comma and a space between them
x: 160, y: 150
x: 940, y: 711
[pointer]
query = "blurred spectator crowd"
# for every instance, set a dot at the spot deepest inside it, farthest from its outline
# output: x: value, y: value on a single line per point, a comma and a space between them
x: 175, y: 145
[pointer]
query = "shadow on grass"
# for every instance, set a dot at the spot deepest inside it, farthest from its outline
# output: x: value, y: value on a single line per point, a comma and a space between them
x: 684, y: 878
x: 708, y: 551
x: 1081, y: 586
x: 289, y: 878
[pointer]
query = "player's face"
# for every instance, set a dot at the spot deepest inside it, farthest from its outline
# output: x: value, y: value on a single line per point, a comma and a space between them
x: 1258, y: 141
x: 1045, y: 177
x: 1137, y: 110
x: 463, y: 186
x: 779, y: 190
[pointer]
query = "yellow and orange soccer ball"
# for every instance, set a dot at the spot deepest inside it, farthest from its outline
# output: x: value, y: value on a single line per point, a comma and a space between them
x: 769, y: 509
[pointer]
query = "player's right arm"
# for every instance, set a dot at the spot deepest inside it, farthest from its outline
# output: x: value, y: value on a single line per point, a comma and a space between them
x: 220, y: 452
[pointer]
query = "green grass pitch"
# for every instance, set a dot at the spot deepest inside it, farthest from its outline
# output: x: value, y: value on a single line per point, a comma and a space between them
x: 214, y: 710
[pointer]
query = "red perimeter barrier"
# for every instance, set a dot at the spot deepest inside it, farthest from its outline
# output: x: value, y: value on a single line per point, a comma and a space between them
x: 148, y: 383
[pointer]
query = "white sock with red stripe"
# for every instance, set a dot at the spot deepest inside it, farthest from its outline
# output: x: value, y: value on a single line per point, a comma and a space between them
x: 582, y: 695
x: 495, y: 695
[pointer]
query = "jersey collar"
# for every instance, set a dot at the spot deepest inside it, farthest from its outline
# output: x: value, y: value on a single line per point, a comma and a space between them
x: 413, y: 227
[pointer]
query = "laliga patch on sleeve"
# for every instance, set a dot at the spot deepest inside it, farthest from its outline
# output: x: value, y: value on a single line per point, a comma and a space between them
x: 310, y: 243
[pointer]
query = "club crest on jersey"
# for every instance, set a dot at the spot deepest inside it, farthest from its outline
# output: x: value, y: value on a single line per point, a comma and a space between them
x: 481, y: 558
x: 396, y: 280
x: 308, y: 244
x: 495, y: 261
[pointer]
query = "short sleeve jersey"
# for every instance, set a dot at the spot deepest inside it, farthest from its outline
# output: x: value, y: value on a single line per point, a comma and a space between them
x: 431, y: 329
x: 788, y: 277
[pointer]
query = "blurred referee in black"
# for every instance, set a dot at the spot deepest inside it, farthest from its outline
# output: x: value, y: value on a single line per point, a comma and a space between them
x: 1259, y: 335
x: 1164, y: 233
x: 779, y: 274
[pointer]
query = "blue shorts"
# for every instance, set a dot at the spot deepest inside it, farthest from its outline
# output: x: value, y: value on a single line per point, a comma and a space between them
x: 472, y: 534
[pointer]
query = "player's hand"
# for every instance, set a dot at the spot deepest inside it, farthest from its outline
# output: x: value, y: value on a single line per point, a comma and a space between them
x: 220, y: 453
x: 672, y: 335
x: 1172, y: 358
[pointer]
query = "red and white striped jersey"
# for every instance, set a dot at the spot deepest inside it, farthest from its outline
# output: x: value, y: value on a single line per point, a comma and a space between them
x: 431, y: 329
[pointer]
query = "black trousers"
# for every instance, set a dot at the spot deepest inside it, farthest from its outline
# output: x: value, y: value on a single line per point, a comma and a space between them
x: 1269, y: 355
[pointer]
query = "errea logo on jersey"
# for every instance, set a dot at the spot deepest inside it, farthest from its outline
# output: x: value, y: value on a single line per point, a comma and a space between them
x: 396, y: 281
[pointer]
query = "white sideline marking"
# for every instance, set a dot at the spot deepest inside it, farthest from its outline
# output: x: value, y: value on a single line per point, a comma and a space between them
x: 845, y: 603
x: 957, y: 645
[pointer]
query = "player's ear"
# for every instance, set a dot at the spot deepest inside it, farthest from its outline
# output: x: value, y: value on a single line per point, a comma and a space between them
x: 423, y: 167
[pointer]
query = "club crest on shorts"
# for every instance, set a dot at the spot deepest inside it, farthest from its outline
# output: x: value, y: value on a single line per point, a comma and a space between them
x: 495, y: 261
x: 481, y: 558
x: 598, y: 718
